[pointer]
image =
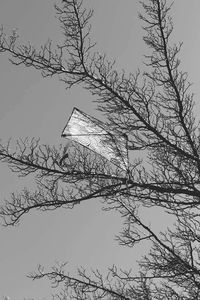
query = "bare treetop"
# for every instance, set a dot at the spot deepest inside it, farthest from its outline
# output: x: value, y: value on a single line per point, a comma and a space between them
x: 154, y: 110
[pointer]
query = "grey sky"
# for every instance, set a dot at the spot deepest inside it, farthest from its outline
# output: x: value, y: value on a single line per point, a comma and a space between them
x: 36, y: 107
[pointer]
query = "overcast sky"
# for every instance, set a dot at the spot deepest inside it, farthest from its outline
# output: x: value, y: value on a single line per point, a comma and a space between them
x: 36, y: 107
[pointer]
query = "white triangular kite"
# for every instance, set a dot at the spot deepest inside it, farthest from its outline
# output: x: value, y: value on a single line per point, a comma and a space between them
x: 94, y: 134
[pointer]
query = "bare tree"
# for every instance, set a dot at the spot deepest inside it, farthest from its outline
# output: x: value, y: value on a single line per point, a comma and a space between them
x: 154, y: 110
